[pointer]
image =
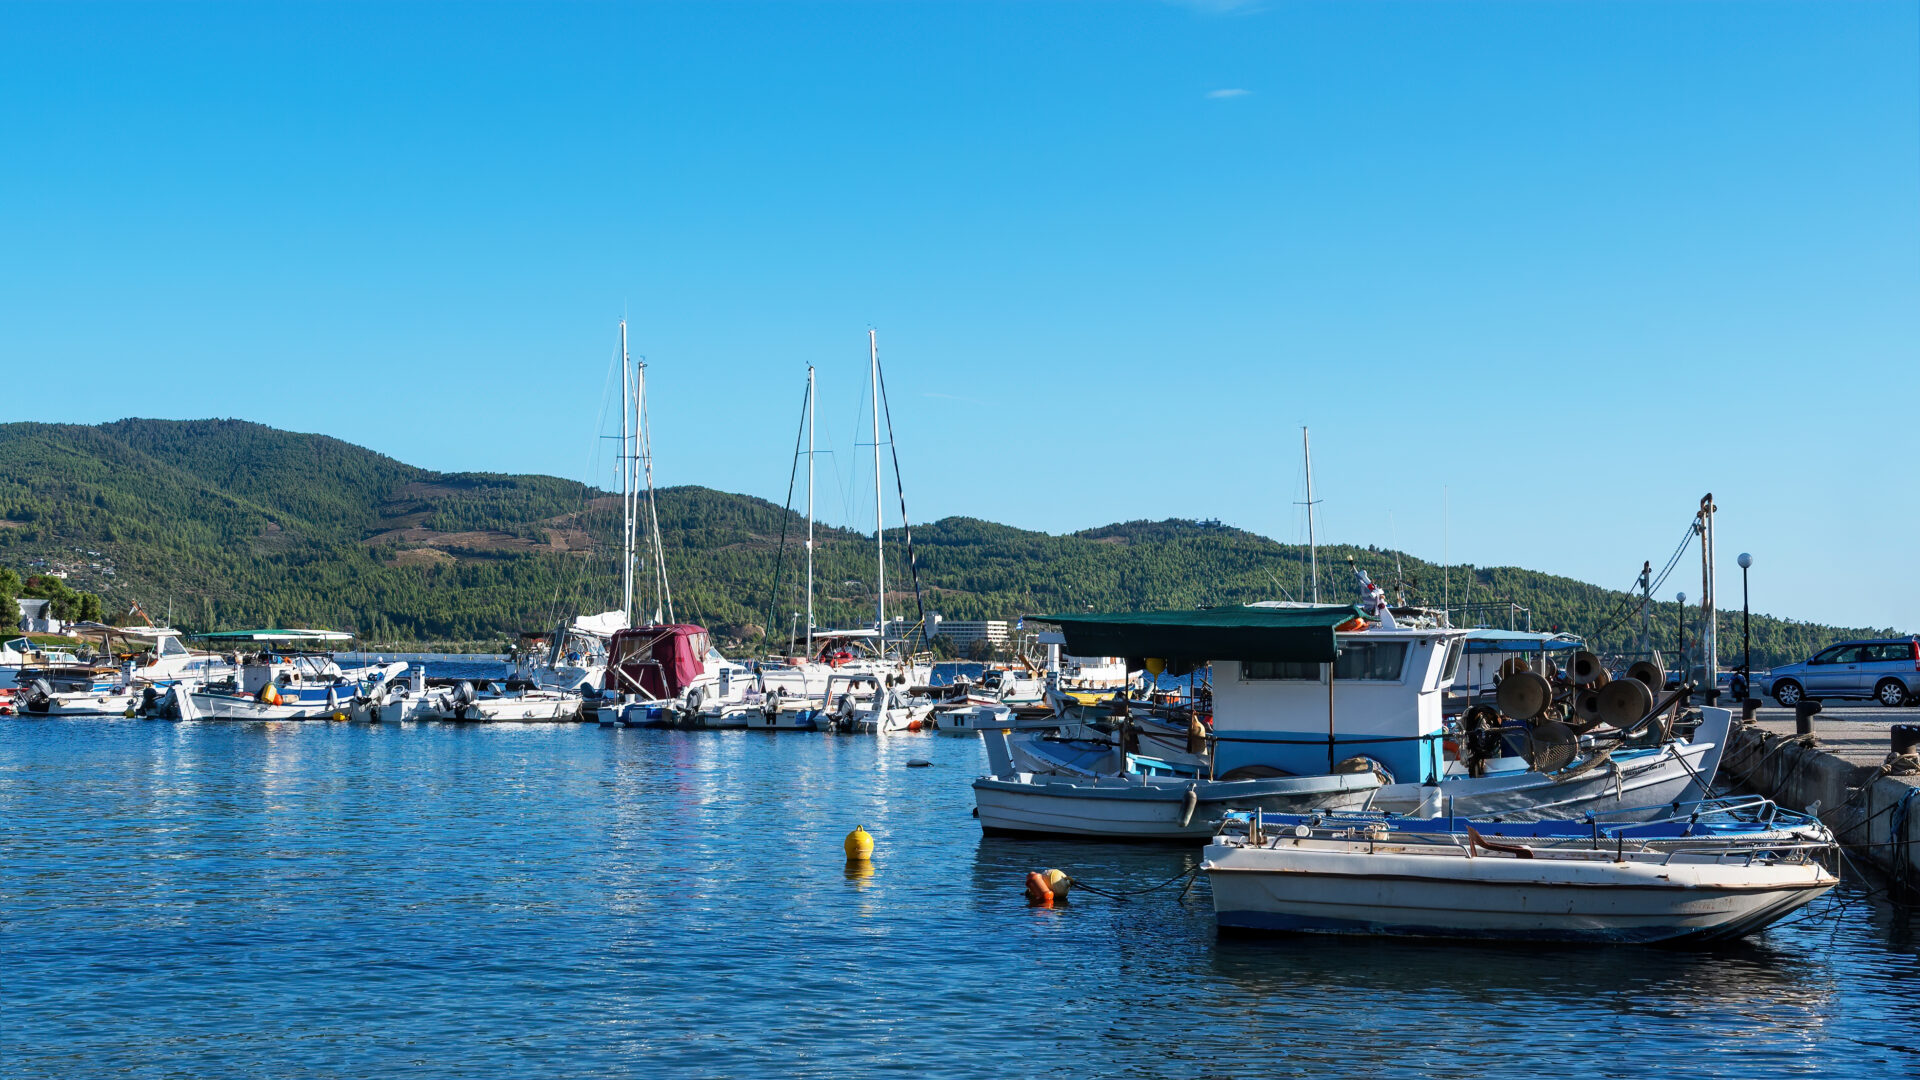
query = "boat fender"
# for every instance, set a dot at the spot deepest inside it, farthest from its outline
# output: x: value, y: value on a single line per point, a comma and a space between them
x: 1361, y: 763
x: 268, y: 695
x: 1038, y: 891
x: 1189, y: 802
x: 1058, y: 882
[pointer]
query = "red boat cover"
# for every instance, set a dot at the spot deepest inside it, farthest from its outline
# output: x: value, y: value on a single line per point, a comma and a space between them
x: 658, y: 660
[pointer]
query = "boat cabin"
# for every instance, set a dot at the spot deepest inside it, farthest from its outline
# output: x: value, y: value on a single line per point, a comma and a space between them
x: 1299, y: 689
x: 656, y: 662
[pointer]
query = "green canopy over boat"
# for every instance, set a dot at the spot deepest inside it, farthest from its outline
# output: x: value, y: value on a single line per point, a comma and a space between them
x: 1296, y: 634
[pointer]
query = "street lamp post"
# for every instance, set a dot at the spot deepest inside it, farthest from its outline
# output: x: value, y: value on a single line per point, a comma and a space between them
x: 1746, y: 626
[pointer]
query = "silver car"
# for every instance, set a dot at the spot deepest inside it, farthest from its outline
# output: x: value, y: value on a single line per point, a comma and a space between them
x: 1886, y: 670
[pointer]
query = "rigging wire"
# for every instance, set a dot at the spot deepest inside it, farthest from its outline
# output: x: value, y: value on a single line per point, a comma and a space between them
x: 906, y: 525
x: 786, y: 516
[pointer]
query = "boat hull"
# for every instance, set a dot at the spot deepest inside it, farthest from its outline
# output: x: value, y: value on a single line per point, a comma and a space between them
x: 532, y: 710
x: 1113, y: 808
x: 79, y: 703
x: 1287, y: 889
x: 223, y: 707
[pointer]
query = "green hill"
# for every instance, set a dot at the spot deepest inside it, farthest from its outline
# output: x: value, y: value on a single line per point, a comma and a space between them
x: 238, y: 524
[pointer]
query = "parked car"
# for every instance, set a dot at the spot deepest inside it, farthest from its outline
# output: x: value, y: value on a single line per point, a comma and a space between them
x: 1886, y: 670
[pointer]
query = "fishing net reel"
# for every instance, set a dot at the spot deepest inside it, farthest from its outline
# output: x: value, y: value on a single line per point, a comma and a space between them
x: 1480, y: 740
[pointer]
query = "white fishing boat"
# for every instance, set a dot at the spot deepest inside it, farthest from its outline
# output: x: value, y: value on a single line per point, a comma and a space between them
x: 280, y: 681
x: 1372, y: 881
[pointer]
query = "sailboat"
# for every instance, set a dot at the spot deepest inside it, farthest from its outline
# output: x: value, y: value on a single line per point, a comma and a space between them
x: 852, y: 679
x: 660, y: 672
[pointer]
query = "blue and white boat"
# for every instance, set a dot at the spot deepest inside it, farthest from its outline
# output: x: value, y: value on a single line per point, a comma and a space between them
x: 1332, y: 701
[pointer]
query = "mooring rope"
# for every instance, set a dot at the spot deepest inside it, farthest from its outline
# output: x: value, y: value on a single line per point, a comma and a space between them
x: 1122, y: 894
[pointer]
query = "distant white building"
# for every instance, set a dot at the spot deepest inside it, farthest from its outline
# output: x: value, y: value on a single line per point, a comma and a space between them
x: 965, y: 633
x: 36, y: 617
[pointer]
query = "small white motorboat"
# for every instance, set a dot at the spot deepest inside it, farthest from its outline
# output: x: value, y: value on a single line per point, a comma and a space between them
x: 785, y: 714
x: 42, y: 700
x: 970, y: 720
x: 1368, y: 879
x: 464, y: 703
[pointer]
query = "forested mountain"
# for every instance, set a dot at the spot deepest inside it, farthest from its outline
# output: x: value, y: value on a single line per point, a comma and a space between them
x: 236, y: 524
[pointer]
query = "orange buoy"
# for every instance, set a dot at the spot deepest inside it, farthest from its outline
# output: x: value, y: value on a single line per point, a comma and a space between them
x: 913, y: 725
x: 1038, y: 892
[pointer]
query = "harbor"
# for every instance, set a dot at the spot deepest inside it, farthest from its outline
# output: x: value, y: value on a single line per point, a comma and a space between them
x: 1163, y: 539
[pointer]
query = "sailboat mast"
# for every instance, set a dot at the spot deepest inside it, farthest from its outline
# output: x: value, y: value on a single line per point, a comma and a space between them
x: 663, y: 592
x: 626, y: 477
x: 879, y: 522
x: 1313, y: 547
x: 809, y: 651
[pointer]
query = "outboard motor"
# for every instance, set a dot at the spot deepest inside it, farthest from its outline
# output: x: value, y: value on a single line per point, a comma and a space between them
x: 463, y: 699
x: 40, y: 700
x: 149, y: 701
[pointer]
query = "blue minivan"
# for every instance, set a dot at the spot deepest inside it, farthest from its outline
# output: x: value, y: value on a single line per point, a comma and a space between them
x: 1886, y: 670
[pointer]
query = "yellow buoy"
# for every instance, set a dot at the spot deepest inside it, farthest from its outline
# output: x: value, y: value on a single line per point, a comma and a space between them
x: 859, y: 845
x: 1057, y: 883
x: 339, y: 717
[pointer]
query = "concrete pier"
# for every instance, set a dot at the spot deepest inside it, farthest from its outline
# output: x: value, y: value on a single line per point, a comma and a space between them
x: 1838, y: 768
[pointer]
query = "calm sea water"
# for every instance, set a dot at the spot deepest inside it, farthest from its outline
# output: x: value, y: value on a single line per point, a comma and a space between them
x: 326, y: 900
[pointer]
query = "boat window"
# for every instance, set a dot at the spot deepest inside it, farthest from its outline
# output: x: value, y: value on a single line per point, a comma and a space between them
x: 1371, y: 661
x: 1261, y: 670
x: 1454, y: 649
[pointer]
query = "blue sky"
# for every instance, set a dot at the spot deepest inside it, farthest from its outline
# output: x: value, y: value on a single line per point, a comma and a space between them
x: 1561, y: 267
